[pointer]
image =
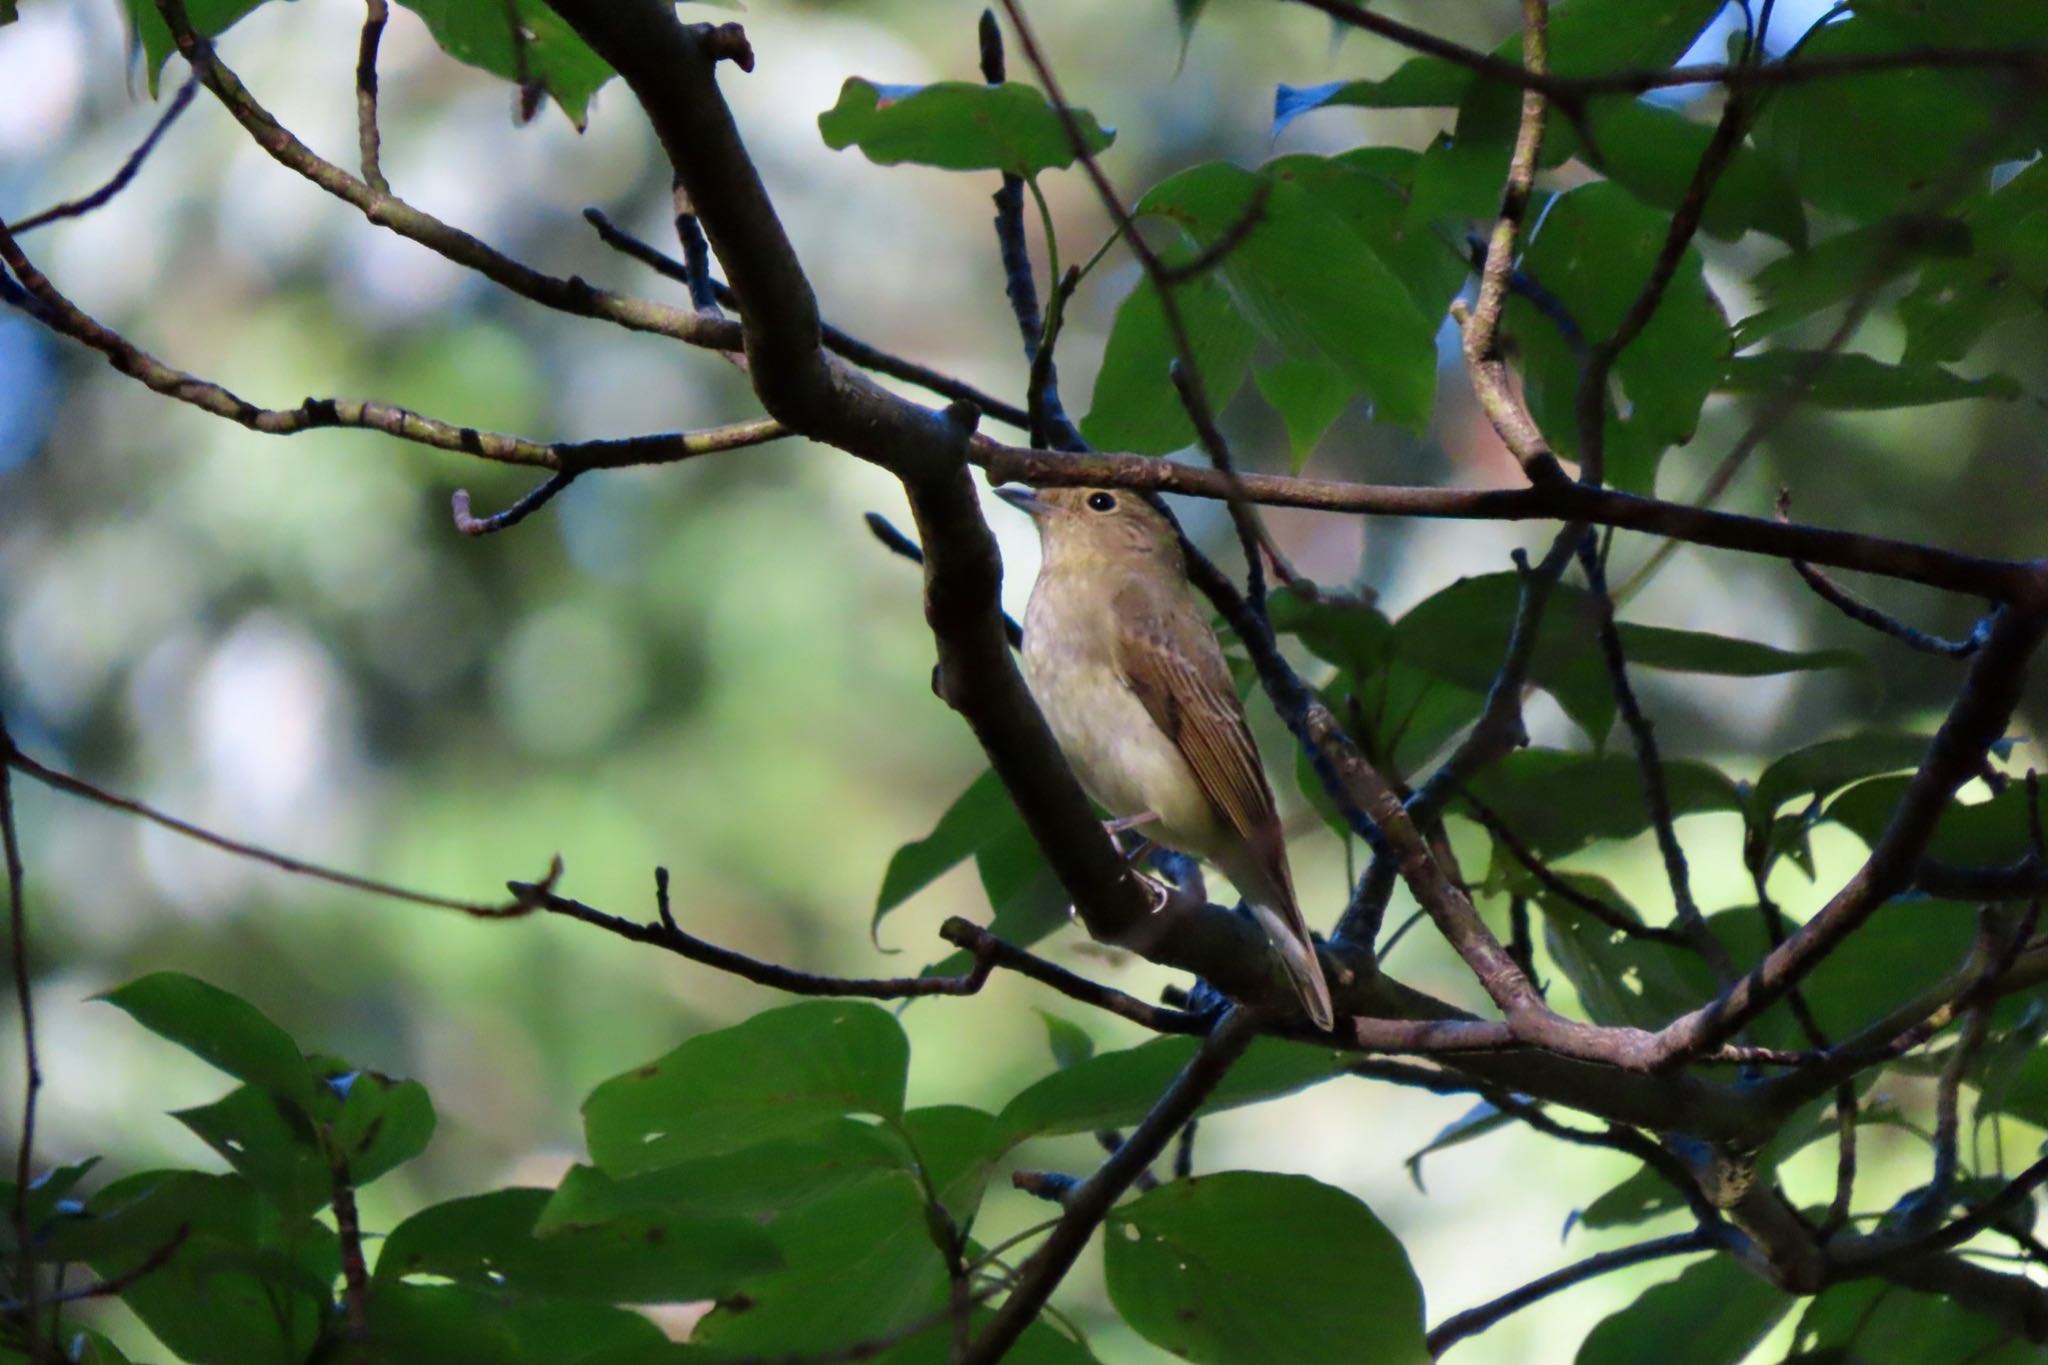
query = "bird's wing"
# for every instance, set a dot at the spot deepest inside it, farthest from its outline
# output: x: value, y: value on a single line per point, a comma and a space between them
x: 1180, y: 676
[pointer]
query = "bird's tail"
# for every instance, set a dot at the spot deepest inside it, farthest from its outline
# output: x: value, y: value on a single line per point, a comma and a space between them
x: 1297, y: 952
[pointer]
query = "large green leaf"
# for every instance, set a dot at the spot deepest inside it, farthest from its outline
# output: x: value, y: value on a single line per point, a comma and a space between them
x: 1991, y: 831
x: 1865, y: 145
x: 1795, y: 287
x: 486, y: 1242
x: 209, y: 19
x: 1587, y: 37
x: 455, y: 1325
x: 1824, y: 768
x: 763, y: 1181
x: 1460, y: 633
x: 956, y: 126
x: 1252, y: 1266
x: 221, y: 1029
x: 544, y: 50
x: 861, y: 1267
x: 1112, y: 1089
x: 1714, y: 1313
x: 1311, y: 283
x: 1558, y: 802
x: 1652, y: 151
x: 979, y: 816
x: 1871, y: 1322
x: 1858, y: 382
x: 1370, y: 189
x: 1957, y: 301
x: 1593, y: 251
x: 245, y: 1284
x: 1135, y: 406
x: 774, y: 1075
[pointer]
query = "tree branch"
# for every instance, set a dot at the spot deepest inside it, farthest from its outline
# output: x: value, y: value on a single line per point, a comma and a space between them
x: 78, y: 208
x: 1473, y: 1321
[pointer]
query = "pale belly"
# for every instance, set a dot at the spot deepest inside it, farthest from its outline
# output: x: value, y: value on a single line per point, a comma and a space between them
x: 1122, y: 757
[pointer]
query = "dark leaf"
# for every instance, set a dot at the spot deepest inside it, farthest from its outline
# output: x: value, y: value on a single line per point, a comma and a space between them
x: 1248, y: 1265
x: 1824, y: 768
x: 1113, y: 1089
x: 220, y: 1029
x: 1714, y: 1313
x: 1311, y: 283
x: 456, y: 1325
x: 1652, y: 150
x: 1859, y: 382
x: 1476, y: 1122
x: 1135, y: 407
x: 772, y: 1076
x: 1593, y: 250
x: 1559, y: 802
x: 487, y: 1243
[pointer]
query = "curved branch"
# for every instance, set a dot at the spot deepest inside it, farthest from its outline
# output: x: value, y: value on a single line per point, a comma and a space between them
x: 570, y: 295
x: 1473, y: 1321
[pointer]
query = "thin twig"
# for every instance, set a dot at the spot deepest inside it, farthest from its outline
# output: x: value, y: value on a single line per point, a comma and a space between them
x: 1227, y: 241
x: 1473, y: 1321
x: 1863, y: 613
x: 13, y: 758
x: 78, y: 208
x: 1554, y: 882
x: 842, y: 344
x: 900, y: 544
x: 378, y: 13
x: 31, y: 1064
x: 528, y: 504
x: 355, y: 1275
x: 1089, y: 1204
x: 1650, y: 767
x: 114, y: 1285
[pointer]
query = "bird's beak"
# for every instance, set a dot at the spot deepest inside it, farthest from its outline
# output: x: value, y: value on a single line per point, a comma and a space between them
x: 1023, y: 499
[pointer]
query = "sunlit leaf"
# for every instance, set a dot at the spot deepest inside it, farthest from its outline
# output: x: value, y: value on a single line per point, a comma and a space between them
x: 957, y: 126
x: 1135, y: 406
x: 542, y: 49
x: 1714, y: 1313
x: 773, y: 1075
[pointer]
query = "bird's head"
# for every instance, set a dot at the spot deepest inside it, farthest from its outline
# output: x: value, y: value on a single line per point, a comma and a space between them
x: 1085, y: 527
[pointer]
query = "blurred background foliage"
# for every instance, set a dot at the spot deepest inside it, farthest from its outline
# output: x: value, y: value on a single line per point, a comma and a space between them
x: 712, y: 666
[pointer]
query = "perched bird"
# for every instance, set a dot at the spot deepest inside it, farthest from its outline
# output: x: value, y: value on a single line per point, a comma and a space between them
x: 1119, y: 653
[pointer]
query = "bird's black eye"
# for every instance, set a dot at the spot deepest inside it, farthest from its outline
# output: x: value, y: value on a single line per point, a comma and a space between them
x: 1101, y: 502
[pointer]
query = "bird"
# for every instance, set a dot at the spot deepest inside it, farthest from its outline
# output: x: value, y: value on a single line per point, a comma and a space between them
x: 1120, y: 656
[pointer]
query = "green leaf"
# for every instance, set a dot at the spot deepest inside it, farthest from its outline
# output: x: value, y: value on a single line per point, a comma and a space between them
x: 1858, y: 382
x: 246, y: 1283
x: 1113, y: 1089
x: 1461, y: 632
x: 1476, y: 1122
x: 1593, y: 250
x: 1026, y: 895
x: 1871, y: 1322
x: 1070, y: 1043
x: 209, y: 19
x: 2005, y: 236
x: 8, y: 13
x: 271, y: 1142
x: 1864, y: 145
x: 1135, y: 406
x: 957, y: 126
x: 1637, y: 1199
x: 1794, y: 288
x: 774, y: 1075
x: 1622, y: 980
x: 861, y: 1266
x: 1559, y: 802
x: 1311, y: 283
x: 1587, y: 37
x: 978, y: 816
x: 761, y: 1182
x: 383, y: 1124
x: 221, y: 1029
x: 456, y: 1325
x: 1248, y: 1266
x: 1309, y: 396
x: 1712, y: 1314
x: 1652, y: 150
x: 1991, y: 831
x: 955, y: 1148
x: 1825, y: 768
x: 1371, y: 189
x: 486, y: 1243
x: 481, y: 35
